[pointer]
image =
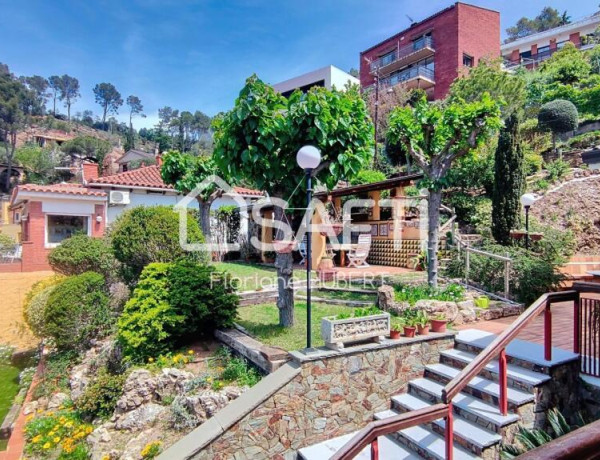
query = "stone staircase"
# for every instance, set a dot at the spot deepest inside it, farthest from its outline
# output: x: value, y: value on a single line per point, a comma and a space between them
x: 479, y: 427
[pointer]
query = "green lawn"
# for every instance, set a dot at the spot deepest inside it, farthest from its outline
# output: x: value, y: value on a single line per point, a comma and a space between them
x: 342, y: 295
x: 9, y: 387
x: 262, y: 321
x: 254, y: 276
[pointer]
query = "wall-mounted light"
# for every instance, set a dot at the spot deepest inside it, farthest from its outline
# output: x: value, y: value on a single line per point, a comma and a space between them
x: 98, y: 218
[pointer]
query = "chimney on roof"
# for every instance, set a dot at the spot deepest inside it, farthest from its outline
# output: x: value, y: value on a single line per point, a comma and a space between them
x: 157, y: 157
x: 90, y: 171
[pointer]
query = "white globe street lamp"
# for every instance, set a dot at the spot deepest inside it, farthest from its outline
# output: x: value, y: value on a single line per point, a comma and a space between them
x: 308, y: 158
x: 527, y: 200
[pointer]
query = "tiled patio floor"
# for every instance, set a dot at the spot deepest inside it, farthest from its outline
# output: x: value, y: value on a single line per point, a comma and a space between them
x: 562, y: 326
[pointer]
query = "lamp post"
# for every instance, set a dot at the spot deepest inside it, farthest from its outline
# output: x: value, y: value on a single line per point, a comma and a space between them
x: 308, y: 158
x: 527, y: 200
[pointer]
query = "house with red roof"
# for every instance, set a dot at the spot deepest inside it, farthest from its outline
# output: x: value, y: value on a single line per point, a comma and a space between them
x: 48, y: 214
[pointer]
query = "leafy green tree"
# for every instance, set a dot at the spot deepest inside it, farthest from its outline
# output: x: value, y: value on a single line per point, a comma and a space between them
x: 38, y: 162
x: 489, y: 77
x: 549, y: 18
x: 558, y: 116
x: 185, y: 172
x: 567, y: 66
x: 436, y: 136
x: 87, y: 146
x: 39, y: 88
x: 69, y: 92
x: 135, y: 108
x: 13, y: 97
x: 258, y: 139
x: 509, y: 181
x: 54, y: 82
x: 108, y: 98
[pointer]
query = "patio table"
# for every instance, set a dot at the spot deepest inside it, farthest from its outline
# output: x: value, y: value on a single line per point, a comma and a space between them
x: 343, y: 248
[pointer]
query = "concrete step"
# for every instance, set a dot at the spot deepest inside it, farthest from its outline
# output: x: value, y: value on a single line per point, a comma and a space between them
x: 466, y: 434
x: 468, y: 407
x: 518, y: 377
x: 525, y: 354
x: 429, y: 445
x: 388, y: 450
x: 485, y: 389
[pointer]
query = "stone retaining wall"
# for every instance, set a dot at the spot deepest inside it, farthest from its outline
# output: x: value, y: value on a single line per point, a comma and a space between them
x: 313, y: 398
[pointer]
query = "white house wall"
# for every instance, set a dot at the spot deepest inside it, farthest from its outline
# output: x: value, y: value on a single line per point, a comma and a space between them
x: 141, y: 198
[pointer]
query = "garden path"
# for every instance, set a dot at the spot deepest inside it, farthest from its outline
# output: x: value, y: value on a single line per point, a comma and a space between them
x: 13, y: 288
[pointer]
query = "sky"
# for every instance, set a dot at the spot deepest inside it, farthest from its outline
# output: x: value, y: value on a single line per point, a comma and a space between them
x: 196, y: 54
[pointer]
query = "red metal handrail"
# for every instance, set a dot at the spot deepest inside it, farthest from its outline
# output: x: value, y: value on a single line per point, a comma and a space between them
x: 373, y: 430
x: 458, y: 383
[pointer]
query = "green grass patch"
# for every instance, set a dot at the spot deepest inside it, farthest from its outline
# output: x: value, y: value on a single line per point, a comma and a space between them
x: 9, y: 387
x: 252, y: 277
x: 342, y: 295
x: 262, y: 321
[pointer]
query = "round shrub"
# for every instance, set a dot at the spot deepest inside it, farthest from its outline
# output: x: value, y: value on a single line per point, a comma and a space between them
x: 559, y: 116
x: 35, y: 304
x: 145, y: 235
x: 7, y: 242
x: 206, y: 297
x: 100, y: 397
x: 81, y: 253
x: 77, y: 311
x: 173, y: 304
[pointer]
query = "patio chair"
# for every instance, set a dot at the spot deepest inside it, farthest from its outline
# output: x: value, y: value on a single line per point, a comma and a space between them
x: 302, y: 250
x: 14, y: 254
x: 357, y: 256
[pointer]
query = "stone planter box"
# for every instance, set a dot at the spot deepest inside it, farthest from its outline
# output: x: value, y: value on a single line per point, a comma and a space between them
x: 338, y: 332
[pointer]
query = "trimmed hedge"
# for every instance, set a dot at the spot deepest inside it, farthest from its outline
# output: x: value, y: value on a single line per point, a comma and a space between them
x: 81, y: 253
x: 559, y: 116
x: 35, y: 304
x: 174, y: 304
x: 145, y: 235
x: 77, y: 311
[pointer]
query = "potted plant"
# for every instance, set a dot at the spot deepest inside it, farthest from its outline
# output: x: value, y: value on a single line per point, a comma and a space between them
x: 409, y: 328
x: 438, y: 324
x: 326, y: 263
x: 422, y: 322
x: 396, y: 331
x: 365, y: 323
x: 269, y: 256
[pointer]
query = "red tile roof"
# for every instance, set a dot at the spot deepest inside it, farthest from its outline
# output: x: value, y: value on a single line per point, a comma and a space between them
x: 67, y: 189
x: 149, y: 176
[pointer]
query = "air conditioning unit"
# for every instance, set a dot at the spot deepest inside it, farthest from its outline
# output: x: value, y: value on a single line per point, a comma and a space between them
x: 118, y: 197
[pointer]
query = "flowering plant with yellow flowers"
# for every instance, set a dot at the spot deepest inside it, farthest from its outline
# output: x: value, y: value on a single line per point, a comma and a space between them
x: 61, y: 432
x: 151, y: 450
x: 177, y: 360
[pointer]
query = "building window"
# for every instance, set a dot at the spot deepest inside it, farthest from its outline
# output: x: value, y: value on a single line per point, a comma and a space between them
x: 468, y: 61
x: 59, y: 228
x: 561, y: 45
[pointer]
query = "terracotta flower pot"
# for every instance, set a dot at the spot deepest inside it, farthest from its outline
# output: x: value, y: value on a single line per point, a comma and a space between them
x: 395, y: 335
x: 438, y: 325
x: 409, y: 331
x: 517, y: 235
x: 423, y: 330
x: 536, y: 236
x: 284, y: 246
x: 325, y: 264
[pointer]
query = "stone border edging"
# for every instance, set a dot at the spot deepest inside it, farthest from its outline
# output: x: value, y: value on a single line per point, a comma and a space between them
x: 16, y: 442
x: 214, y: 427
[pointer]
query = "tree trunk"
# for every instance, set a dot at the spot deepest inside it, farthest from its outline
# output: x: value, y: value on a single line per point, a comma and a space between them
x: 285, y: 270
x: 69, y: 112
x: 433, y: 214
x: 205, y: 218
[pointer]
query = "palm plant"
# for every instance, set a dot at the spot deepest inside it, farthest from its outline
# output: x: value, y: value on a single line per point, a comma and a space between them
x: 530, y: 438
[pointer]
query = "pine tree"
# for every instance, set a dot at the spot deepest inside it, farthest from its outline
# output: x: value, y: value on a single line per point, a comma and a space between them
x: 509, y: 179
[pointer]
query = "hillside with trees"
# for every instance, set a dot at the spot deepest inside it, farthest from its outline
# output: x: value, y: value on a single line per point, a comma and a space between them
x: 35, y: 107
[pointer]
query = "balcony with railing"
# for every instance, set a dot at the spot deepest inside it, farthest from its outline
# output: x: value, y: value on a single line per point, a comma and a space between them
x: 536, y: 59
x: 403, y: 56
x: 413, y: 77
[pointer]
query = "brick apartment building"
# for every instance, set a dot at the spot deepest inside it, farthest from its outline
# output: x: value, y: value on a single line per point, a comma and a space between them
x: 534, y: 49
x: 430, y: 54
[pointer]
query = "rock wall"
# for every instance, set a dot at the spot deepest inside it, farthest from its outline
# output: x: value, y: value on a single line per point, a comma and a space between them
x: 329, y: 393
x: 456, y: 312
